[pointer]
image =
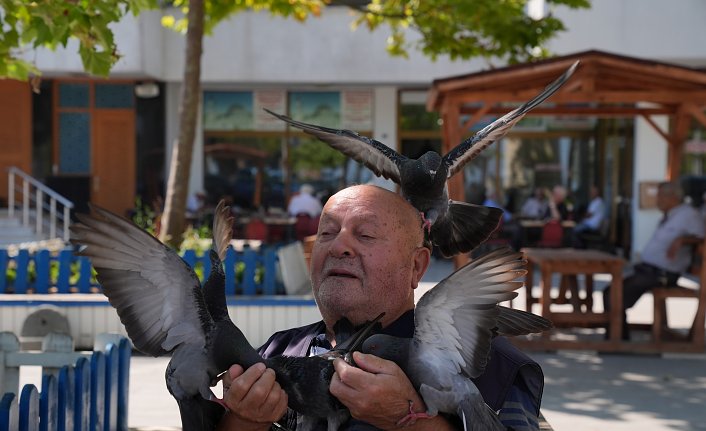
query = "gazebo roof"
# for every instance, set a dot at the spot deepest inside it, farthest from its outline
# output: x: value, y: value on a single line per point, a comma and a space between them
x: 601, y: 77
x: 603, y: 85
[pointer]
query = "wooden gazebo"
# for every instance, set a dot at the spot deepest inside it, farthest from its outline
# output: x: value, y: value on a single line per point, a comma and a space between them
x: 604, y: 85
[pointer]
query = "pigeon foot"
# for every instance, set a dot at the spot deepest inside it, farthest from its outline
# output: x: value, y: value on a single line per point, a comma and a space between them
x: 426, y: 224
x: 412, y: 416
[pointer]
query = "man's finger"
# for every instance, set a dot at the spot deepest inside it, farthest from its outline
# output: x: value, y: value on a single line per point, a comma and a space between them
x: 373, y: 364
x: 242, y: 384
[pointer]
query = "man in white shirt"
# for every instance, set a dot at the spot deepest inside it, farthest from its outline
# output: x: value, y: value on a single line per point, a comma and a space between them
x: 669, y: 251
x: 591, y: 223
x: 304, y: 202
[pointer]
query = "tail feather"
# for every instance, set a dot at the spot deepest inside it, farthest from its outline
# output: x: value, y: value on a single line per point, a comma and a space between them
x: 476, y: 415
x: 464, y: 227
x: 513, y: 322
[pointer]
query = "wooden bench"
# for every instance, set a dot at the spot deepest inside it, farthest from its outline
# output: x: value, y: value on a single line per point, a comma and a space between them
x: 695, y: 337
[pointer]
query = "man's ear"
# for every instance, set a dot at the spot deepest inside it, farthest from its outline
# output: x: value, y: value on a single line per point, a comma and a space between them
x: 420, y: 263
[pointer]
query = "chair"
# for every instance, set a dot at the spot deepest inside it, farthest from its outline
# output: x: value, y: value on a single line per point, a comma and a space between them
x: 256, y: 229
x: 305, y: 225
x: 660, y: 322
x: 552, y: 234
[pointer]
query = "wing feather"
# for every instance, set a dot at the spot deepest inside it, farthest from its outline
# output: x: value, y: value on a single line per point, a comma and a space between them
x: 471, y: 147
x: 155, y: 293
x: 376, y: 156
x: 459, y: 314
x: 222, y: 229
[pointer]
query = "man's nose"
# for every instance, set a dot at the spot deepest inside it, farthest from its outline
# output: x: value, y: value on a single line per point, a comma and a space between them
x: 342, y: 245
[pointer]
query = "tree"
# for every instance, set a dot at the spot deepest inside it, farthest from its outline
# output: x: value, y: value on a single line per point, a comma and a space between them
x: 457, y: 28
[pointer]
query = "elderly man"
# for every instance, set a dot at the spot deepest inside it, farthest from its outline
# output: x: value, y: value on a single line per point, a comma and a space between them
x: 667, y: 253
x: 368, y: 258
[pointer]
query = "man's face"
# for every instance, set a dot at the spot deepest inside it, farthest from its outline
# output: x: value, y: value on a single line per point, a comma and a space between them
x: 363, y: 260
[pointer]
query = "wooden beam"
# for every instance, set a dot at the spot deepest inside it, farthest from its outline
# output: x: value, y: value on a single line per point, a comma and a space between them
x: 598, y: 111
x: 477, y: 115
x: 561, y: 96
x: 657, y: 128
x: 697, y: 112
x: 682, y: 121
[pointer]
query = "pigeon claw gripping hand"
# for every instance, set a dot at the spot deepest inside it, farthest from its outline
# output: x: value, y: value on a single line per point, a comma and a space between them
x: 412, y: 416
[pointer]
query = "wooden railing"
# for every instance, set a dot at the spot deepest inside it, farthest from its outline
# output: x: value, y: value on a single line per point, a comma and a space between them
x: 79, y: 390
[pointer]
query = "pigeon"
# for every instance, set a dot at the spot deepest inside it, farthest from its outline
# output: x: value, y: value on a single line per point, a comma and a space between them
x: 165, y: 310
x: 454, y: 227
x: 454, y: 323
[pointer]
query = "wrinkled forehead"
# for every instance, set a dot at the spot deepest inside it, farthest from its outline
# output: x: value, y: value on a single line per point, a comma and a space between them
x: 373, y: 204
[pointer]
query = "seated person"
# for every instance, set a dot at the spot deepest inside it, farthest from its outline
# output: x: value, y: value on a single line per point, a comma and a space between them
x: 536, y: 206
x: 556, y: 208
x: 592, y: 220
x: 667, y: 253
x: 304, y: 202
x: 377, y: 236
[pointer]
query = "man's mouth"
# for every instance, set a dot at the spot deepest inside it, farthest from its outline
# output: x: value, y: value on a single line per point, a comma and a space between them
x: 341, y: 273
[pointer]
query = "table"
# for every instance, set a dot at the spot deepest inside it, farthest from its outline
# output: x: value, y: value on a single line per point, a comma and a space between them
x: 569, y: 262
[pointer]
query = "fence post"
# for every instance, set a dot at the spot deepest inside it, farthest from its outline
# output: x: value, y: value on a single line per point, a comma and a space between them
x: 66, y: 407
x: 56, y: 343
x: 22, y: 271
x: 112, y: 364
x: 97, y: 412
x: 9, y: 376
x: 229, y: 264
x: 125, y: 349
x: 63, y: 279
x: 82, y: 396
x: 269, y: 257
x: 29, y: 409
x: 8, y: 412
x: 3, y: 270
x: 49, y: 404
x: 42, y: 262
x: 250, y: 261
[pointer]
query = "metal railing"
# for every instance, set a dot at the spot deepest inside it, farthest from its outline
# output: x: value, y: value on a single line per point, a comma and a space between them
x: 37, y: 204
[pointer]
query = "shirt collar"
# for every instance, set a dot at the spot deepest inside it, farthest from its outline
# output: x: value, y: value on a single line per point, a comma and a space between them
x: 402, y: 327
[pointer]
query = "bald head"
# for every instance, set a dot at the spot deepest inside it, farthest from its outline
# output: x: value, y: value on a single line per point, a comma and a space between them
x: 368, y: 256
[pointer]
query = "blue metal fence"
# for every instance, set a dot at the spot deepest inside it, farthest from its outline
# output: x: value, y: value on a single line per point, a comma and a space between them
x: 248, y: 272
x: 91, y: 394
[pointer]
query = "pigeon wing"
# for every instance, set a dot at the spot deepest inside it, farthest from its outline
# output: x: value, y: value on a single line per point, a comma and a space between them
x: 455, y: 320
x: 376, y: 156
x: 457, y: 158
x: 155, y: 293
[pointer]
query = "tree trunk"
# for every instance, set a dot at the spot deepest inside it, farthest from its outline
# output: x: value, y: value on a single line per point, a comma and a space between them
x: 180, y: 165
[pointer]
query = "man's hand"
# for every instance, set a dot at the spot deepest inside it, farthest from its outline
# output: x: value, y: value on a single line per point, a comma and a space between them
x: 378, y: 392
x: 253, y: 397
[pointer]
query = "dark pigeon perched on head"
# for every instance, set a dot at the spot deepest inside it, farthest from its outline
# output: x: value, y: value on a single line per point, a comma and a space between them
x: 164, y: 309
x: 454, y: 324
x: 454, y: 227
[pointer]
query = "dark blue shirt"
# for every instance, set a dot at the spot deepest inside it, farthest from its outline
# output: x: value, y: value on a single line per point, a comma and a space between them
x: 512, y: 383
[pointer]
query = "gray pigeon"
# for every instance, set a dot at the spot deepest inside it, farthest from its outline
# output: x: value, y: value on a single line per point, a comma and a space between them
x: 454, y: 324
x: 455, y: 227
x: 164, y: 309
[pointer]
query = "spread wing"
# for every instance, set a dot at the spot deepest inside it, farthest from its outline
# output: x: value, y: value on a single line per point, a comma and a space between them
x: 455, y: 320
x: 376, y: 156
x: 155, y: 293
x: 457, y: 158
